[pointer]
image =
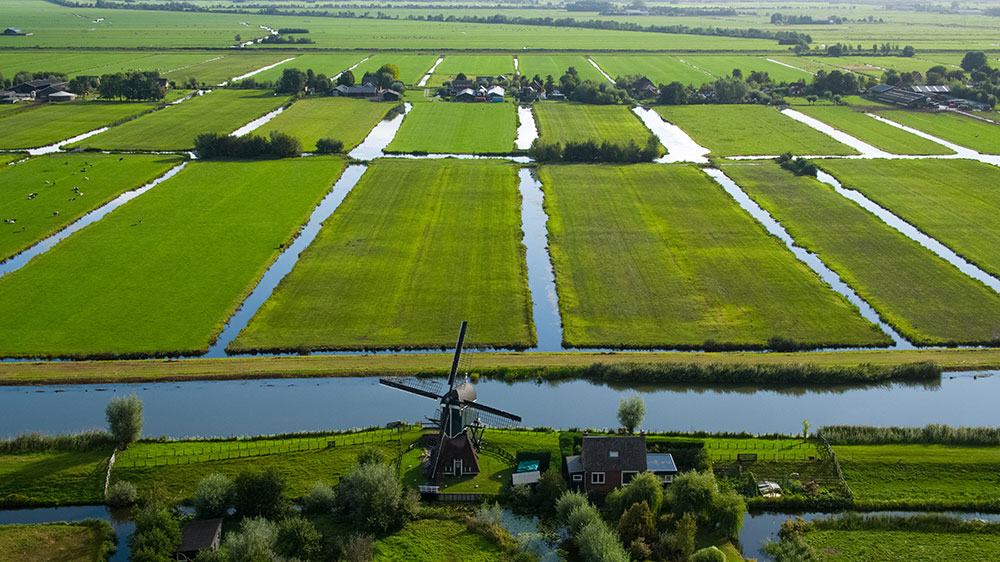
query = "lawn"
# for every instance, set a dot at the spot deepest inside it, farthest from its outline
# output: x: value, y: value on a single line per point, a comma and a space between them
x: 51, y: 542
x: 556, y: 66
x: 345, y: 119
x: 175, y: 263
x: 54, y: 178
x: 660, y: 69
x: 441, y: 242
x: 953, y: 201
x: 730, y: 130
x: 457, y: 128
x: 495, y: 471
x: 564, y: 122
x: 52, y: 122
x: 436, y: 540
x: 928, y: 300
x: 175, y: 128
x: 964, y: 131
x: 876, y: 133
x: 885, y: 546
x: 53, y: 478
x: 661, y: 256
x: 939, y: 474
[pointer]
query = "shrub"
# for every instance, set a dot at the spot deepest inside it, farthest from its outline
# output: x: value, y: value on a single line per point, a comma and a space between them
x: 374, y: 497
x: 260, y: 494
x: 639, y: 550
x: 710, y: 554
x: 210, y: 146
x: 358, y: 548
x: 371, y: 455
x: 931, y: 434
x: 489, y: 514
x: 213, y: 496
x: 38, y: 443
x: 567, y: 503
x: 645, y: 487
x: 121, y: 493
x: 580, y: 517
x: 297, y: 538
x: 255, y: 540
x: 637, y: 524
x: 598, y: 543
x: 321, y: 500
x: 329, y: 146
x: 124, y: 415
x: 156, y: 536
x: 591, y: 151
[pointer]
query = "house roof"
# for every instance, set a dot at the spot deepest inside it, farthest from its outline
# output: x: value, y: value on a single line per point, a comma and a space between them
x: 574, y: 464
x: 199, y: 535
x: 12, y: 30
x: 525, y: 477
x: 62, y: 95
x: 931, y: 89
x: 602, y: 454
x: 660, y: 462
x: 496, y: 90
x: 466, y: 92
x: 880, y: 88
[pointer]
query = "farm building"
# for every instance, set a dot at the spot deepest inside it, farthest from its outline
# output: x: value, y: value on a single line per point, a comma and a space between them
x: 60, y: 96
x: 466, y: 95
x: 495, y: 94
x: 606, y: 463
x: 13, y: 31
x: 45, y: 94
x: 898, y: 96
x: 197, y: 536
x: 33, y: 87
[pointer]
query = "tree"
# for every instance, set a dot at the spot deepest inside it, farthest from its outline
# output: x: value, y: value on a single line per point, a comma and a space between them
x: 284, y: 145
x: 461, y: 76
x: 359, y: 548
x: 157, y: 533
x: 693, y: 492
x: 728, y: 510
x: 298, y: 539
x: 254, y: 542
x: 973, y: 60
x: 292, y: 81
x: 548, y: 490
x: 636, y: 523
x: 372, y: 495
x: 321, y: 500
x: 567, y: 502
x: 346, y: 78
x: 124, y: 415
x: 631, y: 411
x: 213, y: 496
x: 909, y: 51
x: 710, y: 554
x: 811, y: 98
x: 644, y: 488
x: 805, y: 429
x: 673, y: 94
x: 737, y: 74
x: 259, y: 494
x: 329, y: 146
x: 730, y: 90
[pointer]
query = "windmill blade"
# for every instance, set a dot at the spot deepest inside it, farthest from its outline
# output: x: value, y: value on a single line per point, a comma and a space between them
x: 492, y: 410
x: 410, y: 388
x: 458, y: 355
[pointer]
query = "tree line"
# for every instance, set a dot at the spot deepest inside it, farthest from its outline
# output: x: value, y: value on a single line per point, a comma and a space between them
x: 592, y: 151
x: 214, y: 146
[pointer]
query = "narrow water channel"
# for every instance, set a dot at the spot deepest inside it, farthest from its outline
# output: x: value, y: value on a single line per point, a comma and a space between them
x: 427, y: 75
x: 605, y: 74
x: 866, y: 150
x: 911, y: 232
x: 541, y: 278
x: 527, y: 130
x: 380, y: 136
x: 256, y: 72
x: 355, y: 65
x: 20, y: 260
x: 58, y: 146
x: 790, y: 66
x: 810, y: 259
x: 680, y: 147
x: 287, y: 260
x: 256, y: 123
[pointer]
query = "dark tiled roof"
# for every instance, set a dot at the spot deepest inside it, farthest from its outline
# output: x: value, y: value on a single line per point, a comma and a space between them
x: 602, y: 454
x: 198, y: 535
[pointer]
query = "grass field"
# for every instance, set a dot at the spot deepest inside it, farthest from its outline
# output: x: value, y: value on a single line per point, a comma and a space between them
x: 175, y: 128
x: 51, y: 542
x: 959, y: 129
x: 564, y: 122
x: 457, y: 128
x: 345, y: 119
x: 874, y: 132
x: 441, y: 240
x: 885, y: 546
x: 434, y: 540
x: 472, y: 66
x: 175, y: 263
x: 50, y: 123
x: 54, y: 478
x: 53, y: 179
x: 556, y: 65
x: 330, y: 64
x: 939, y: 474
x: 495, y: 471
x: 731, y: 130
x: 660, y: 69
x: 723, y: 65
x: 925, y: 298
x: 660, y: 256
x: 953, y: 201
x: 411, y: 67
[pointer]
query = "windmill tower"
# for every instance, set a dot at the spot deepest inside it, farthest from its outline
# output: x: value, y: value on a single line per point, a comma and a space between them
x: 460, y: 422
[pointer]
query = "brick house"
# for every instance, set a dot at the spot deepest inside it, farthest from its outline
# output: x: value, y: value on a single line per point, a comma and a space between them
x: 609, y: 462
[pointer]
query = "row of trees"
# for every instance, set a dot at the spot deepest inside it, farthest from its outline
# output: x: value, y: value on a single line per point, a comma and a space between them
x: 133, y: 86
x: 211, y: 146
x: 592, y: 151
x: 25, y: 76
x: 294, y: 81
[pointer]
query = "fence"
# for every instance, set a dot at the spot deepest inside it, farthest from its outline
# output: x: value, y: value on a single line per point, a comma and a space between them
x: 836, y: 467
x: 497, y: 451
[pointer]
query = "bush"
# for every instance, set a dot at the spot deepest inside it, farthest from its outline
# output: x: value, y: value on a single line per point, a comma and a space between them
x: 489, y: 514
x: 210, y: 146
x: 580, y: 517
x: 598, y: 543
x: 800, y: 167
x: 567, y: 503
x: 372, y: 495
x: 156, y: 536
x: 358, y: 548
x: 321, y: 500
x: 298, y: 539
x: 932, y: 434
x: 637, y: 524
x: 329, y: 146
x: 213, y: 496
x: 255, y: 541
x: 710, y: 554
x: 645, y: 487
x: 591, y: 151
x: 121, y: 493
x: 124, y: 415
x: 260, y: 494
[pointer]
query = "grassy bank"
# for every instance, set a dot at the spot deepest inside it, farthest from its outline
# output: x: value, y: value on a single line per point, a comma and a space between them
x: 457, y: 128
x: 562, y: 122
x: 91, y: 540
x: 964, y: 131
x: 876, y: 133
x: 432, y: 540
x: 50, y: 123
x: 344, y: 119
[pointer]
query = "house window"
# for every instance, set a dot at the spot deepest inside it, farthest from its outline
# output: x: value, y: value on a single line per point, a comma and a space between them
x: 577, y: 478
x: 597, y: 478
x: 666, y: 478
x: 627, y: 476
x: 613, y: 454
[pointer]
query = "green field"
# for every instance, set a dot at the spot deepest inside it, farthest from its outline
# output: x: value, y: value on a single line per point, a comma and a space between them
x: 496, y: 471
x: 433, y: 540
x: 886, y: 546
x: 53, y: 179
x: 53, y: 478
x: 175, y: 263
x: 953, y: 201
x: 51, y: 542
x: 330, y: 64
x: 964, y: 131
x: 53, y: 122
x: 723, y: 65
x: 564, y: 122
x: 731, y: 130
x: 556, y: 65
x: 876, y: 133
x: 925, y: 298
x: 441, y: 241
x: 660, y: 69
x: 457, y: 128
x: 175, y: 128
x: 411, y: 67
x: 940, y: 474
x: 345, y: 119
x: 660, y: 256
x: 472, y: 66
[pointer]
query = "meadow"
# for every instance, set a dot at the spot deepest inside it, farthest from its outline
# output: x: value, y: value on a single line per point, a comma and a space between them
x: 661, y: 69
x: 42, y: 125
x: 54, y: 178
x: 457, y: 128
x: 660, y: 256
x: 411, y: 67
x: 723, y: 65
x: 885, y: 546
x: 330, y: 64
x: 928, y: 300
x: 876, y: 133
x: 953, y: 201
x: 65, y: 542
x: 175, y: 127
x: 174, y: 263
x: 345, y: 119
x: 556, y: 65
x: 564, y: 122
x: 964, y: 131
x: 432, y: 540
x: 441, y: 241
x: 471, y: 66
x: 749, y: 130
x: 53, y: 478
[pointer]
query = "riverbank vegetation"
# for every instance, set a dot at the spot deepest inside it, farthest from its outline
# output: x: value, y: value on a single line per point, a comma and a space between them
x: 90, y: 540
x: 642, y: 273
x: 457, y: 128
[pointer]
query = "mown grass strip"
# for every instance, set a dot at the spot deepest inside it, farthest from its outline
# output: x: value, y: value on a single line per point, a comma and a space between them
x: 53, y: 122
x: 411, y: 67
x: 174, y: 128
x: 431, y: 540
x: 345, y: 119
x: 162, y: 273
x: 556, y: 65
x: 98, y: 178
x: 876, y: 133
x: 457, y: 128
x: 927, y: 299
x: 572, y: 122
x: 53, y: 478
x: 658, y: 68
x: 660, y: 256
x: 749, y: 130
x: 885, y: 546
x: 964, y: 131
x: 953, y: 201
x: 82, y: 541
x: 414, y: 249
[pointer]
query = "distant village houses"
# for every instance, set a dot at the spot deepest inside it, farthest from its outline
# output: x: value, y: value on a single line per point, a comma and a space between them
x: 48, y: 89
x: 368, y: 89
x: 482, y: 89
x: 922, y: 97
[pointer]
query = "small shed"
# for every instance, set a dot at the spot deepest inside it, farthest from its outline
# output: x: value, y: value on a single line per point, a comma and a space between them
x: 61, y: 96
x: 13, y: 31
x: 495, y: 94
x: 531, y: 477
x: 203, y: 534
x: 391, y: 95
x: 465, y: 95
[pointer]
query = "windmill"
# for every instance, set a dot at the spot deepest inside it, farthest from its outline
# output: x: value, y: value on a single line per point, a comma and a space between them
x: 460, y: 422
